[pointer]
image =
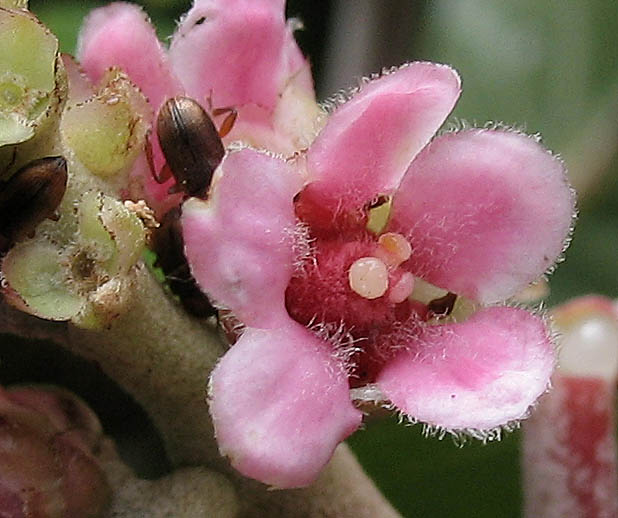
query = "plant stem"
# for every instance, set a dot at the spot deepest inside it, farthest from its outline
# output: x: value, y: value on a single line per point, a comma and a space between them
x: 162, y: 357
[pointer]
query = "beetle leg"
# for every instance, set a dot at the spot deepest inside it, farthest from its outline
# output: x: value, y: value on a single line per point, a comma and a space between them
x: 164, y: 174
x: 228, y: 122
x: 209, y: 101
x: 149, y: 158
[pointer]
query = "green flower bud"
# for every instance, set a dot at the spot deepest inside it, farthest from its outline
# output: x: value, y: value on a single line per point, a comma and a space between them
x: 37, y: 281
x: 87, y: 278
x: 108, y: 131
x: 28, y: 75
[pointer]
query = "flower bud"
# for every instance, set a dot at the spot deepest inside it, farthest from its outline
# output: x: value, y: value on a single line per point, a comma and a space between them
x: 569, y: 443
x: 107, y: 131
x: 49, y: 443
x: 28, y: 72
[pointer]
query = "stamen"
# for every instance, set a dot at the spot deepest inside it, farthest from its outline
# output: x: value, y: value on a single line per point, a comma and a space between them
x: 402, y: 289
x: 368, y: 276
x: 397, y: 248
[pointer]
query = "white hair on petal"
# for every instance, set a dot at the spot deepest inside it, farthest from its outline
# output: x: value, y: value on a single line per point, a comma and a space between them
x: 303, y: 247
x: 345, y: 345
x: 330, y: 104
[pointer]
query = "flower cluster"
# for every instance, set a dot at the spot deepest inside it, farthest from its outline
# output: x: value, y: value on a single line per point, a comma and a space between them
x: 368, y: 260
x: 238, y: 55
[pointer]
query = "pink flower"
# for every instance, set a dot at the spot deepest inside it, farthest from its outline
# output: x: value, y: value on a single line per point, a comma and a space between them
x: 334, y: 311
x: 237, y: 54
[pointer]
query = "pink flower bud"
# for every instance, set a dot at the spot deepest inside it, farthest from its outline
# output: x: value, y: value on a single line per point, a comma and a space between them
x: 570, y: 449
x: 49, y: 442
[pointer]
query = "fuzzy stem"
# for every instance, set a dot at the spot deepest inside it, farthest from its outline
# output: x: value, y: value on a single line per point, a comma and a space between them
x: 569, y: 450
x: 162, y: 357
x: 158, y: 354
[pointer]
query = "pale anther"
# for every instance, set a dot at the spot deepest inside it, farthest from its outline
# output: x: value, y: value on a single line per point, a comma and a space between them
x: 368, y: 276
x: 397, y: 248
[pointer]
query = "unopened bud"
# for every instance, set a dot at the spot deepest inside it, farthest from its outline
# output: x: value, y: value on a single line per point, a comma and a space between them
x: 50, y: 443
x: 31, y: 195
x: 30, y: 79
x: 191, y: 144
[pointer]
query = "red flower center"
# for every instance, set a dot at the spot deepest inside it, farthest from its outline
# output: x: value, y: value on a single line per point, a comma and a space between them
x: 359, y: 282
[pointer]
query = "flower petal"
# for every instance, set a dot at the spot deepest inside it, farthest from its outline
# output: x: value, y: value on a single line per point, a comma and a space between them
x: 486, y: 212
x: 239, y: 243
x: 237, y: 52
x: 368, y: 142
x: 475, y: 375
x: 280, y: 405
x: 242, y: 54
x: 121, y: 35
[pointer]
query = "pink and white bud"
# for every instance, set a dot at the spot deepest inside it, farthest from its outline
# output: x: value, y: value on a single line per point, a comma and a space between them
x: 570, y: 449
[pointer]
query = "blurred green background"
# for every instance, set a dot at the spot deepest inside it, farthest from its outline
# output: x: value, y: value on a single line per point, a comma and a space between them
x: 548, y: 66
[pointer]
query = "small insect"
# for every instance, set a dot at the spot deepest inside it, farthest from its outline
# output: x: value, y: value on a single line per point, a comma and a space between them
x: 443, y: 306
x: 191, y: 145
x: 168, y: 244
x: 30, y: 196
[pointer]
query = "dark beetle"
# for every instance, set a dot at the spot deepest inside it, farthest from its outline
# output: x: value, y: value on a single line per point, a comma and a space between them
x: 31, y: 195
x: 168, y: 244
x: 190, y: 143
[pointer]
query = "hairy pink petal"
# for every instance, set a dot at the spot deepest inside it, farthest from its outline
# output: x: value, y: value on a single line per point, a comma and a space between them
x: 478, y: 374
x: 239, y: 243
x: 486, y: 212
x: 120, y: 35
x: 280, y: 405
x: 237, y: 52
x: 369, y: 142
